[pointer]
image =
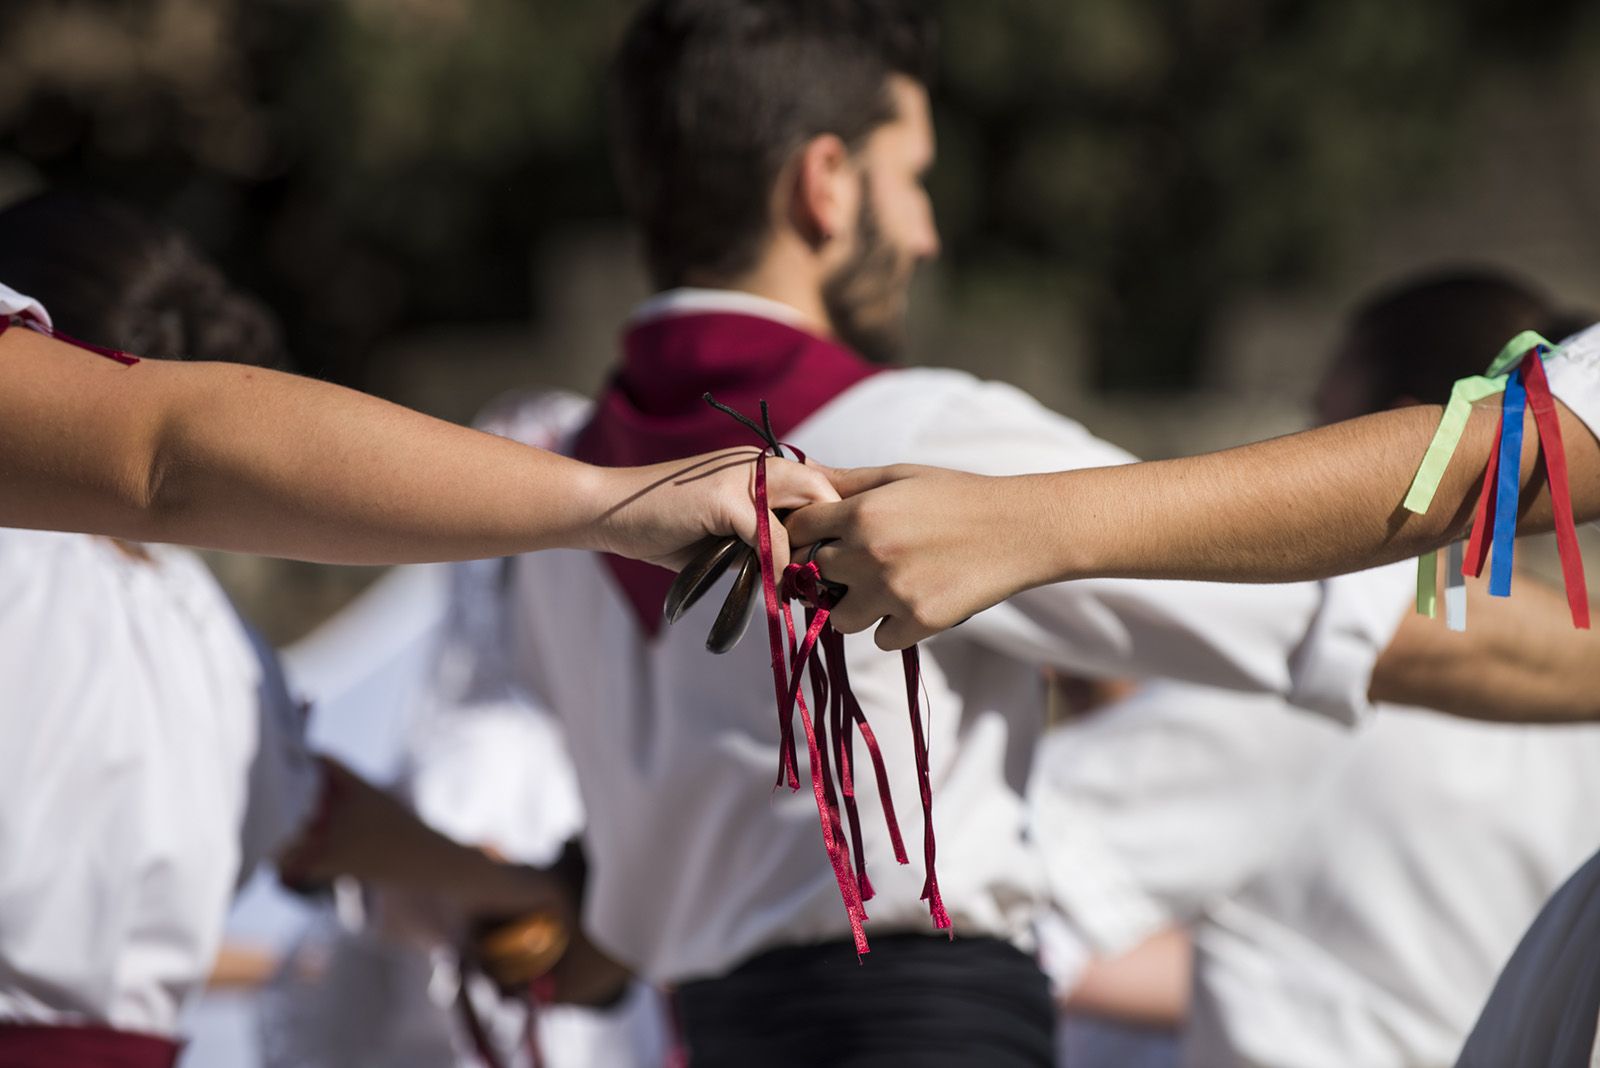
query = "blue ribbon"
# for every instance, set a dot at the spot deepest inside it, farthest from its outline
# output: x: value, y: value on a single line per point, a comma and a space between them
x: 1505, y: 514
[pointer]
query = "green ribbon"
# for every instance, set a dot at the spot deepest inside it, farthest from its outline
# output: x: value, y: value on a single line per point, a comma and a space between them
x: 1463, y: 395
x: 1516, y: 349
x: 1428, y: 585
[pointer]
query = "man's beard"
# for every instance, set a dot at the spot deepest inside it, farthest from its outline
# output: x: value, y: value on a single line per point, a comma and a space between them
x: 866, y: 297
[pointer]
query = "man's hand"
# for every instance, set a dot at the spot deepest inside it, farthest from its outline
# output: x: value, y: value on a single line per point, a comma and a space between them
x: 661, y: 513
x: 922, y: 548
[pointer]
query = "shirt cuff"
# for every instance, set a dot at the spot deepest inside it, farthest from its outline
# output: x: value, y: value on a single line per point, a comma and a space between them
x: 14, y: 303
x: 1574, y: 377
x: 1331, y: 672
x: 1063, y: 954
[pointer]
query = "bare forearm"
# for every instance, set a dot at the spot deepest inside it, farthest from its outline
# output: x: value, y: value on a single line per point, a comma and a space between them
x: 1520, y: 661
x: 1148, y: 986
x: 231, y: 457
x: 923, y: 548
x: 1304, y: 506
x: 239, y: 458
x: 346, y: 470
x: 365, y: 833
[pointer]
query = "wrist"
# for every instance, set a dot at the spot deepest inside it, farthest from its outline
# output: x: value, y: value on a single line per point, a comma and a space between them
x: 599, y: 493
x: 1055, y: 543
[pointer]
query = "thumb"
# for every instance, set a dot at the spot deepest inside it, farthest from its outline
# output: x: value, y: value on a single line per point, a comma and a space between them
x: 792, y: 485
x: 895, y: 633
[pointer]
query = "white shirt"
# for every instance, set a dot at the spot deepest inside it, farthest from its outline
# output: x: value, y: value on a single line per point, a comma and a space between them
x: 1352, y: 894
x: 696, y: 864
x: 1574, y: 376
x: 1375, y: 935
x: 151, y: 756
x: 1152, y: 808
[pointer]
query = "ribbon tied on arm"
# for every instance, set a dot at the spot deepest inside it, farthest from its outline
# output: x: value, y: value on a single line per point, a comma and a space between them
x: 1518, y: 374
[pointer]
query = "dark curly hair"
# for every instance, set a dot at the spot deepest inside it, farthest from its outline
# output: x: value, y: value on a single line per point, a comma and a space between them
x: 1414, y: 338
x: 111, y: 277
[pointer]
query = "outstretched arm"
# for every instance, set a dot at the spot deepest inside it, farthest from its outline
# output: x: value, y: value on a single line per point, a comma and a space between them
x: 233, y: 457
x: 924, y: 548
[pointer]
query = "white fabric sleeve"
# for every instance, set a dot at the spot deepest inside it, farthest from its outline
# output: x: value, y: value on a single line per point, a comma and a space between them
x: 1575, y: 376
x: 485, y: 762
x: 14, y: 303
x: 285, y: 779
x: 496, y: 773
x: 1064, y: 954
x: 1312, y: 643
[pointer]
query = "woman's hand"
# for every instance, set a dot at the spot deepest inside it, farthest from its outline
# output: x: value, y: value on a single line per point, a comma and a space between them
x: 923, y: 548
x: 662, y: 512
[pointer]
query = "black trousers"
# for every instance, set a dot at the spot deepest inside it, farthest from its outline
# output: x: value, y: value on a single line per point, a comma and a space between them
x: 915, y: 1001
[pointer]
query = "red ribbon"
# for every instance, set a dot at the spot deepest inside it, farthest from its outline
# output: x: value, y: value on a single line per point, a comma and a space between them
x: 1478, y: 546
x: 831, y: 722
x: 38, y: 326
x: 1551, y: 447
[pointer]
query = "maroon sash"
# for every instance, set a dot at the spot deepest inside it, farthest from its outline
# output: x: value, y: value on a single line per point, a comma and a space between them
x: 44, y: 1046
x: 652, y: 410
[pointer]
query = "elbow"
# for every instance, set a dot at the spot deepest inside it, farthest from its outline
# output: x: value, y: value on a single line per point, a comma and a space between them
x: 153, y: 491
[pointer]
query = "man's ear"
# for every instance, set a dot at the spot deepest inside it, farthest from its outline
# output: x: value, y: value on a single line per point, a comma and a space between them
x: 825, y: 189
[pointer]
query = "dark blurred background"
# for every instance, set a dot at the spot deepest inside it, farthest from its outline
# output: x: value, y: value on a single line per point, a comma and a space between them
x: 1154, y: 213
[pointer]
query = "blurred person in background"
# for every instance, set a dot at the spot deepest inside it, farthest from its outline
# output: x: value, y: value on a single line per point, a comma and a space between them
x: 485, y: 764
x: 772, y: 154
x: 1352, y: 896
x: 153, y: 753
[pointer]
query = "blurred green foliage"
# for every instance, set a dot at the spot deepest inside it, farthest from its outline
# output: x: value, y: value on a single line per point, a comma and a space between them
x: 368, y: 164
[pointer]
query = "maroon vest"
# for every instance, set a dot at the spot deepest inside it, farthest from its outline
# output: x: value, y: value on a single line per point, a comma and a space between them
x: 652, y: 410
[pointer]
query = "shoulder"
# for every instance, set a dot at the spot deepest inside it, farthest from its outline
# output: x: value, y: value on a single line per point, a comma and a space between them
x: 954, y: 419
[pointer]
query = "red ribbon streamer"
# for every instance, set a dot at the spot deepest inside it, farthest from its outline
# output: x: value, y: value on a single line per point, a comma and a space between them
x: 49, y: 331
x: 1551, y: 447
x: 1478, y: 546
x: 830, y: 725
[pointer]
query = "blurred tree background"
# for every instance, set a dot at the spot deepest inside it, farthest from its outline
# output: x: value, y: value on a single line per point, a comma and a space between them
x: 372, y: 165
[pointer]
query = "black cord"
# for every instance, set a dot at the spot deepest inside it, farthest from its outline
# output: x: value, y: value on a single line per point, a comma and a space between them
x: 762, y: 430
